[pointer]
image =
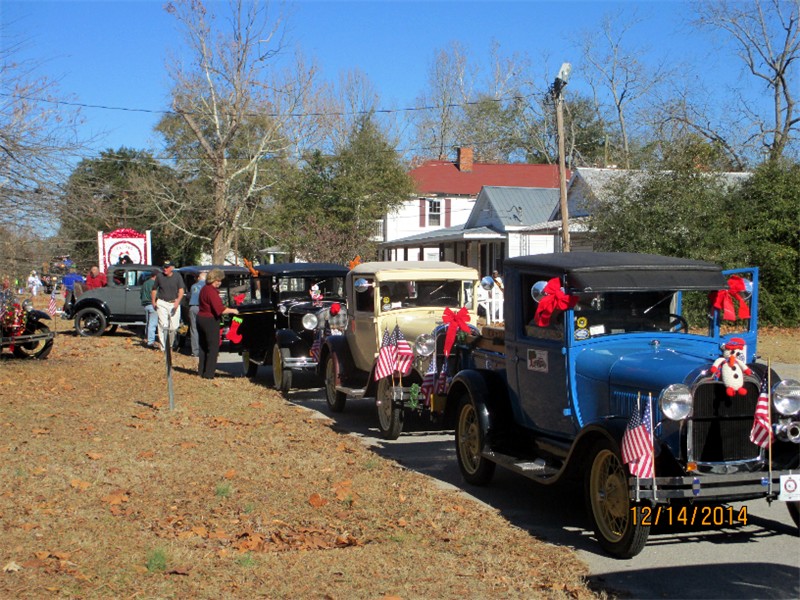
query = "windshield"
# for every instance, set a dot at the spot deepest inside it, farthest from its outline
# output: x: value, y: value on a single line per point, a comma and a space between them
x: 301, y: 288
x: 612, y: 313
x: 453, y: 293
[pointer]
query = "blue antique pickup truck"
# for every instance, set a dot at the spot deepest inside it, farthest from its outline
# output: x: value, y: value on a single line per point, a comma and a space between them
x: 596, y: 376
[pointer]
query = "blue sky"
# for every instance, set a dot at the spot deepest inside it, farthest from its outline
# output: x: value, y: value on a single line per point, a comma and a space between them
x: 113, y: 53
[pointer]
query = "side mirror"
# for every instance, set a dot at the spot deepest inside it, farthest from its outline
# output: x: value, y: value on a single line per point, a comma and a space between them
x: 487, y: 283
x: 537, y: 290
x: 361, y: 285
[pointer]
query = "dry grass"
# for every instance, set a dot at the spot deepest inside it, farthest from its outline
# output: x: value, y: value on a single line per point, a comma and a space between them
x: 236, y: 493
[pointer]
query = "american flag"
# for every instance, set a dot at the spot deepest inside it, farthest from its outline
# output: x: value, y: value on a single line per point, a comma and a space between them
x: 637, y: 446
x: 428, y: 381
x: 321, y: 335
x: 404, y: 355
x: 386, y: 360
x: 51, y: 307
x: 761, y: 434
x: 441, y: 382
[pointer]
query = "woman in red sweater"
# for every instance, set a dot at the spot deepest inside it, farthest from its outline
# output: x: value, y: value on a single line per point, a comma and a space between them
x: 210, y: 312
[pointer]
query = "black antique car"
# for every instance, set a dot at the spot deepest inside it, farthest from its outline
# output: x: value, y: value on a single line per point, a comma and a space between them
x: 235, y: 291
x: 290, y: 304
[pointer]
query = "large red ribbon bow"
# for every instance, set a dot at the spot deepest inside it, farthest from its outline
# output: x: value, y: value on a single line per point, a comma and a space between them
x: 454, y: 322
x: 723, y: 300
x: 554, y: 299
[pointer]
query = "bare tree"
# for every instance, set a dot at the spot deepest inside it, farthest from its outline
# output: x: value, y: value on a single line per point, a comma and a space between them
x: 766, y: 35
x: 618, y: 78
x: 233, y: 108
x: 37, y: 138
x: 439, y: 115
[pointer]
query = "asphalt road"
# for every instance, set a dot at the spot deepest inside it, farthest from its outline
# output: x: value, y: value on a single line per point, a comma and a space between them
x: 758, y: 560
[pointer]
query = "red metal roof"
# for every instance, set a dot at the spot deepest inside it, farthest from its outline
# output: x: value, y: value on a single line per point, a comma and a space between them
x: 444, y: 177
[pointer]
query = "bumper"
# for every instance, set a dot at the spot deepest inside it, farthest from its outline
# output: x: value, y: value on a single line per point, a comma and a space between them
x: 300, y: 362
x: 721, y: 488
x: 25, y: 338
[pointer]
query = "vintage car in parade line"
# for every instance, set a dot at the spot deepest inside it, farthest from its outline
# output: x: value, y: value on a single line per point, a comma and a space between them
x: 596, y: 377
x: 287, y: 308
x: 24, y: 329
x: 235, y: 291
x: 117, y: 303
x: 389, y: 305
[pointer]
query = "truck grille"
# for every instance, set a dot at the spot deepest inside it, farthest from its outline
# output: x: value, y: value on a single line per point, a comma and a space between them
x: 720, y: 424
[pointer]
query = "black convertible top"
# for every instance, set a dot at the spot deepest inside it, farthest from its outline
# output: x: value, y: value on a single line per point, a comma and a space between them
x: 623, y: 271
x: 303, y: 270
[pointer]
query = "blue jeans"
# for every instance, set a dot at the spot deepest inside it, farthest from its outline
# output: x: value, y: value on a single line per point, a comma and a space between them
x: 151, y: 318
x: 195, y: 336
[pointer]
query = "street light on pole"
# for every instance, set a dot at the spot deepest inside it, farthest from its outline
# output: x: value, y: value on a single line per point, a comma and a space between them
x: 558, y: 87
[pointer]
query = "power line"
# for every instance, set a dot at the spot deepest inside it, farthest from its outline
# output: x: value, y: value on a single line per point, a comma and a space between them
x: 515, y: 98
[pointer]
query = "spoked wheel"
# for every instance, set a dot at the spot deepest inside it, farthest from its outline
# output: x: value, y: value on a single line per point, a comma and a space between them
x: 281, y: 374
x: 90, y: 322
x: 336, y: 400
x: 475, y: 468
x: 35, y: 348
x: 390, y: 417
x: 249, y: 367
x: 609, y: 504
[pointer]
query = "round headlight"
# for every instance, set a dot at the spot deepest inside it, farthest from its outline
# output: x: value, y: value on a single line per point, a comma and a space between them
x: 283, y: 309
x: 310, y: 321
x: 786, y: 397
x: 425, y: 344
x: 27, y: 305
x: 676, y: 402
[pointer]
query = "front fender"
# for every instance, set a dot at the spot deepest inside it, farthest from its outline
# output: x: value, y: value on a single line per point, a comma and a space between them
x: 473, y: 383
x: 39, y: 315
x: 101, y: 305
x: 286, y: 338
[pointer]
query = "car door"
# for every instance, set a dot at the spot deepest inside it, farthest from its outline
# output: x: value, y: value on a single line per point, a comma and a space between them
x: 115, y: 293
x: 537, y: 363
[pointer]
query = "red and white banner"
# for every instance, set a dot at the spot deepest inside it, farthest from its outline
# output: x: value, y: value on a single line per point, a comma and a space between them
x: 115, y: 245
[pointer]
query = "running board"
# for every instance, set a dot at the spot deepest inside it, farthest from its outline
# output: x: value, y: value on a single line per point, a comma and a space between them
x: 532, y: 469
x: 356, y: 393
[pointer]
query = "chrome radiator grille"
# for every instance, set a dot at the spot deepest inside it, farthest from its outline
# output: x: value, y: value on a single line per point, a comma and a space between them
x: 720, y: 425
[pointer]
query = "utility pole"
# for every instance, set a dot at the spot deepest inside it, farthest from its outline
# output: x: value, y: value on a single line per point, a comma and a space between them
x: 558, y: 87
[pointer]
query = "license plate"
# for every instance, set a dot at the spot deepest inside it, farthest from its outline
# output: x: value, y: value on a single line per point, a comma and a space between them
x: 790, y: 488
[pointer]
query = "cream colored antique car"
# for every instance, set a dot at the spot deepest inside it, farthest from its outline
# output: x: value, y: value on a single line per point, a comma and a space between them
x: 384, y: 298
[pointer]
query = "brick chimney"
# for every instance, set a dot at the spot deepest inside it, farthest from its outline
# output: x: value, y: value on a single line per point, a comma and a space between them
x: 464, y: 160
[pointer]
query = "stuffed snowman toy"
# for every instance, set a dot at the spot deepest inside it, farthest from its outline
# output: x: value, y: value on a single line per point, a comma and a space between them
x: 730, y: 368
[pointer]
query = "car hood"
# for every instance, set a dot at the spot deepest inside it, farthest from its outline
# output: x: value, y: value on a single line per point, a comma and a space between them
x: 647, y: 363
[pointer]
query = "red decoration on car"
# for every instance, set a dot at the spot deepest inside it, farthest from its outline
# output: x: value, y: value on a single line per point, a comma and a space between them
x: 723, y: 300
x: 554, y: 299
x: 454, y: 322
x: 233, y: 333
x: 335, y: 309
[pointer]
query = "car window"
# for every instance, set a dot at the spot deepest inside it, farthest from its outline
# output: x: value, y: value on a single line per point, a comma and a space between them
x: 365, y: 301
x: 237, y: 291
x: 442, y: 293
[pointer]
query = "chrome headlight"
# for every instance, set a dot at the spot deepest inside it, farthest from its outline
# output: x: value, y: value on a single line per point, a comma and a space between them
x: 310, y: 321
x: 27, y: 305
x: 676, y: 402
x: 786, y: 397
x: 425, y: 344
x: 283, y: 309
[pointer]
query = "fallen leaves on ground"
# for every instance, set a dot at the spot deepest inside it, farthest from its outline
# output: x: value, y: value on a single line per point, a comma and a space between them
x: 238, y: 493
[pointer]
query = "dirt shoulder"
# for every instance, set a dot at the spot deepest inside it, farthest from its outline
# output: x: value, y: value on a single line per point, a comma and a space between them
x: 108, y: 493
x: 779, y: 345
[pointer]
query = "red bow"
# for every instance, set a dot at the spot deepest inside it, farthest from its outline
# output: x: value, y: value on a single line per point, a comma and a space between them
x: 554, y: 299
x: 454, y: 321
x: 723, y: 300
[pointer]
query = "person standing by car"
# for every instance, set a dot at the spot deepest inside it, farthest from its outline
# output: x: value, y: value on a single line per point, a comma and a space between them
x: 150, y: 316
x: 34, y: 283
x: 209, y: 312
x: 194, y: 307
x: 69, y: 281
x: 95, y: 279
x: 166, y: 297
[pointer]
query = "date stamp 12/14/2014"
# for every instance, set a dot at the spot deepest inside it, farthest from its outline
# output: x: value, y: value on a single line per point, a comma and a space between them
x: 689, y: 516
